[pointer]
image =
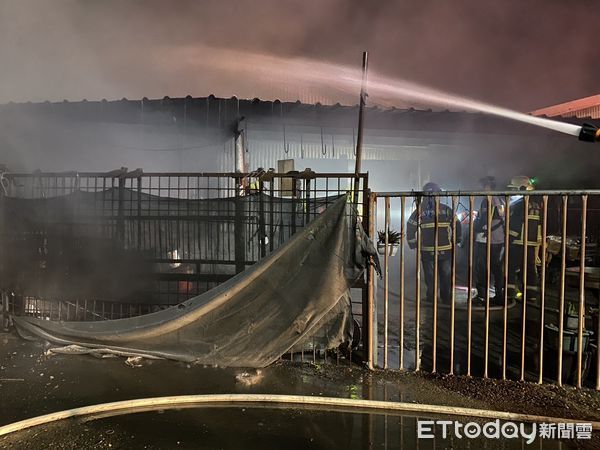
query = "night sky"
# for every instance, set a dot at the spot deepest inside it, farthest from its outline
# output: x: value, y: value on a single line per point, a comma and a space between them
x: 522, y: 54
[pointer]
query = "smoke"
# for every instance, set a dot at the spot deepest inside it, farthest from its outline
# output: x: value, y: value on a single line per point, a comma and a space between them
x: 515, y: 53
x: 520, y: 54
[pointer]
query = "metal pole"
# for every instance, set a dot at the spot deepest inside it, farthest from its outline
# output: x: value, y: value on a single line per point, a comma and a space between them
x: 506, y: 268
x: 543, y: 286
x: 418, y: 290
x: 435, y: 281
x: 524, y: 277
x: 402, y: 236
x: 470, y: 285
x: 488, y: 251
x: 359, y: 140
x: 453, y: 284
x: 386, y: 260
x: 370, y: 288
x: 584, y: 199
x: 561, y: 307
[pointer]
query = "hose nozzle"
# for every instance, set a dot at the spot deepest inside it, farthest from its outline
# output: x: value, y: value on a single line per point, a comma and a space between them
x: 589, y: 133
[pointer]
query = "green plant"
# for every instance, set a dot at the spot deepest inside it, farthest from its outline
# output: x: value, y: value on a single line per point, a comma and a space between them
x: 394, y: 237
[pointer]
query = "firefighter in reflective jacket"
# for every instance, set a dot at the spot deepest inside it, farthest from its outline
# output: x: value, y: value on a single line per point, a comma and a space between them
x: 496, y: 235
x: 426, y: 222
x: 532, y: 241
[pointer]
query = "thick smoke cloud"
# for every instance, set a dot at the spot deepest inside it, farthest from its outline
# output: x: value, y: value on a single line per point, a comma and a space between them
x: 522, y: 54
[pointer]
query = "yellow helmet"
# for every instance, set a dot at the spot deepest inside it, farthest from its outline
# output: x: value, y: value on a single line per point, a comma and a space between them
x: 522, y: 183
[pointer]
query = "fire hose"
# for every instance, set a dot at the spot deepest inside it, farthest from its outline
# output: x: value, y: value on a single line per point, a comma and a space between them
x: 289, y: 401
x: 589, y: 133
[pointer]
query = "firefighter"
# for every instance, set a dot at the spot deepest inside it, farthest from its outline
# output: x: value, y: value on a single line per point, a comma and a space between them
x: 426, y: 221
x: 497, y: 234
x: 532, y: 241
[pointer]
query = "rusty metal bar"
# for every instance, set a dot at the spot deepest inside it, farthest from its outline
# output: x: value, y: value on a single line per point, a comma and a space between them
x: 453, y: 283
x: 506, y: 267
x: 598, y: 354
x: 497, y: 193
x: 470, y: 285
x: 386, y: 260
x: 524, y: 277
x: 543, y: 285
x: 370, y: 287
x: 262, y: 232
x: 359, y: 140
x: 402, y: 235
x: 435, y: 280
x: 418, y: 289
x: 561, y: 307
x: 584, y: 200
x: 488, y: 250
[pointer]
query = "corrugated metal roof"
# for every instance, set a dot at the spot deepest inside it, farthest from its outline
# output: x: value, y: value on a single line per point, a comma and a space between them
x: 223, y: 113
x: 588, y: 107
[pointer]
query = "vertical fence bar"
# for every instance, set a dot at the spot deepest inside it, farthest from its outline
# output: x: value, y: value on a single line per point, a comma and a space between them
x: 584, y: 199
x: 453, y: 283
x: 418, y: 290
x: 370, y: 288
x: 561, y: 307
x: 238, y: 230
x: 261, y: 219
x: 524, y: 277
x: 598, y: 351
x: 506, y: 268
x: 543, y: 286
x: 488, y: 251
x: 402, y: 236
x: 271, y: 214
x: 307, y: 201
x: 470, y: 285
x: 139, y: 213
x: 386, y: 260
x: 436, y: 228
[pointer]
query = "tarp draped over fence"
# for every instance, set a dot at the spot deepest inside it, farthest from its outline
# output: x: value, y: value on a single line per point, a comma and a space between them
x: 124, y: 245
x: 294, y: 298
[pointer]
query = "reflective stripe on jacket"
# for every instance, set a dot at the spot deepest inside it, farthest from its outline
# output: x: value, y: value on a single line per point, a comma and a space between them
x: 517, y: 223
x: 427, y: 224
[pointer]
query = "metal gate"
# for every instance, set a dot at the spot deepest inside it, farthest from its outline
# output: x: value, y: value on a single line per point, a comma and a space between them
x: 181, y: 234
x: 427, y: 314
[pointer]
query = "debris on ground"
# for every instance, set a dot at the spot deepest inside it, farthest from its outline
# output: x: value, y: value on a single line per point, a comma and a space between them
x: 134, y: 361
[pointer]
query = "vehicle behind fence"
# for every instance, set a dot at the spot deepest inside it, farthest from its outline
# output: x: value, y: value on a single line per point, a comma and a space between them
x: 464, y: 291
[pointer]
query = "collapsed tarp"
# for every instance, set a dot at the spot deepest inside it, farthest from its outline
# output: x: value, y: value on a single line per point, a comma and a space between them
x: 295, y: 295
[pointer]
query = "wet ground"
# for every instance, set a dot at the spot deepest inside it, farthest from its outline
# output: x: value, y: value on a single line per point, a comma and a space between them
x: 249, y: 428
x: 32, y: 383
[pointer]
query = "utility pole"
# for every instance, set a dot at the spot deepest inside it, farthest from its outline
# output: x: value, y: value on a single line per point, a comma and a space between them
x: 359, y: 138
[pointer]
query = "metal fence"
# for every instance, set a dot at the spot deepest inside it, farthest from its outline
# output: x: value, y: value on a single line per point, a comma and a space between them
x: 426, y: 311
x: 96, y: 246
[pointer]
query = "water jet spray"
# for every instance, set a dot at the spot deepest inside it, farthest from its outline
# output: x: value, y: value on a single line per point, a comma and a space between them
x: 311, y: 75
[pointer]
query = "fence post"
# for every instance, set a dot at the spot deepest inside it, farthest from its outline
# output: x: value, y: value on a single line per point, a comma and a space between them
x: 139, y: 213
x: 262, y: 233
x: 121, y: 210
x: 3, y: 296
x: 238, y: 230
x: 369, y: 304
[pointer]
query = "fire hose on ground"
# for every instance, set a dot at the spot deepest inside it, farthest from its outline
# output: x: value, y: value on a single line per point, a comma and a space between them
x: 288, y: 401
